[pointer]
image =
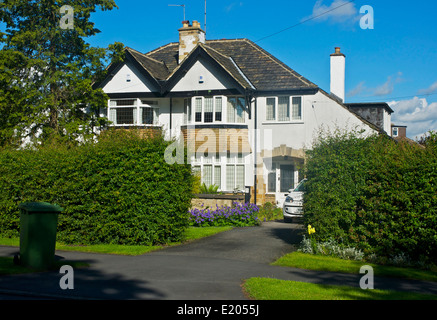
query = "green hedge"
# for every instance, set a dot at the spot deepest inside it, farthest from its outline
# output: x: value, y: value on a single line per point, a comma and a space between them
x: 119, y: 190
x: 375, y: 194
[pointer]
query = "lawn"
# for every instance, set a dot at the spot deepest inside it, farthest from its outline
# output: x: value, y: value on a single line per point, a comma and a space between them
x: 192, y: 233
x: 326, y: 263
x: 274, y: 289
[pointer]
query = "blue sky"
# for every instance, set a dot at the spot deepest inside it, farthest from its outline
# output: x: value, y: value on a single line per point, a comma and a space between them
x: 396, y: 62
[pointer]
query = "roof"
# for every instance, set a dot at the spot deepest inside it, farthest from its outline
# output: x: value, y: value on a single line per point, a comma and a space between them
x: 248, y: 64
x: 370, y: 104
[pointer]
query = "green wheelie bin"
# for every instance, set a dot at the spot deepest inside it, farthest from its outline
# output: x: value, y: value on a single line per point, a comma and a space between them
x: 38, y: 224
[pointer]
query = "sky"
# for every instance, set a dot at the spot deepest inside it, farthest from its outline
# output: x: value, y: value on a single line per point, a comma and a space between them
x: 395, y: 62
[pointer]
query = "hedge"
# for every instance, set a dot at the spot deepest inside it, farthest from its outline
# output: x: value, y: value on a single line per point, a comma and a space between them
x: 119, y: 190
x: 373, y: 193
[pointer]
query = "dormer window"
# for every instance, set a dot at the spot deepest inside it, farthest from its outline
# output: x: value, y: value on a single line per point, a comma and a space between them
x: 395, y: 132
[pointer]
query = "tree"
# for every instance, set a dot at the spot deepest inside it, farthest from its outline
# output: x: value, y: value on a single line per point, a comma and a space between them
x: 47, y: 88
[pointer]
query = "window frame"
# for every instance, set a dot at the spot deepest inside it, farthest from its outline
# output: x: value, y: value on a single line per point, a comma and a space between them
x: 220, y: 110
x: 272, y: 116
x: 137, y: 115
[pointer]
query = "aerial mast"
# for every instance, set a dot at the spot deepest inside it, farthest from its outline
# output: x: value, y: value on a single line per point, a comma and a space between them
x: 179, y: 5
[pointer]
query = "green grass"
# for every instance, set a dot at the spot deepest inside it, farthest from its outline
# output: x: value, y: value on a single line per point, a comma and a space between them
x: 326, y: 263
x: 7, y: 266
x: 274, y: 289
x: 192, y: 233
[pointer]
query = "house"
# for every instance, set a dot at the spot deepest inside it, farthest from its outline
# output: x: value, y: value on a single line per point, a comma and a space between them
x: 247, y: 116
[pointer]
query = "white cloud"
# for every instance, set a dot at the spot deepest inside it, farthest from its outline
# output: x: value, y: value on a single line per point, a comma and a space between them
x: 231, y: 6
x: 418, y: 114
x: 432, y: 89
x: 338, y: 11
x: 388, y: 87
x: 360, y: 88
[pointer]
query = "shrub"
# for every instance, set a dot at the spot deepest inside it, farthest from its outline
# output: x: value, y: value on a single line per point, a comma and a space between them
x: 239, y: 215
x: 374, y: 194
x: 119, y: 190
x: 269, y: 211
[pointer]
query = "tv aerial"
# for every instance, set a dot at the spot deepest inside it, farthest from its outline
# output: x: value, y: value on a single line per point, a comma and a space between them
x: 178, y: 5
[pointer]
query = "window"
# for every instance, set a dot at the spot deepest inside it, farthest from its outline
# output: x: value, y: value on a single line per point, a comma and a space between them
x: 271, y: 179
x: 279, y: 109
x: 209, y: 169
x: 133, y: 112
x: 283, y: 109
x: 235, y: 110
x: 235, y: 177
x: 187, y: 111
x: 271, y: 108
x: 198, y: 114
x: 218, y: 109
x: 395, y: 132
x: 209, y: 110
x: 296, y: 109
x: 123, y: 112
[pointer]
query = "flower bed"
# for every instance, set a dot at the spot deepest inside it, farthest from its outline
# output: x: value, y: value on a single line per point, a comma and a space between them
x: 239, y: 215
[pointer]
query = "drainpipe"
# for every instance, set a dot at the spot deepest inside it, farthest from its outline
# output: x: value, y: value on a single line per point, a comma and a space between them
x: 255, y: 150
x: 171, y: 116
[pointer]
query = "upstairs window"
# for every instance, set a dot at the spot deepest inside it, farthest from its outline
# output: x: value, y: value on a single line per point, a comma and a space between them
x: 284, y: 109
x: 235, y: 110
x: 215, y: 110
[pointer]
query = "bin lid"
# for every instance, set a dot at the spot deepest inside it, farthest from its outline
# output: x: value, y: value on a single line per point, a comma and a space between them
x: 40, y: 207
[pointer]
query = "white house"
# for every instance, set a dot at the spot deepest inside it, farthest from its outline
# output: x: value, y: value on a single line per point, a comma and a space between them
x: 248, y: 116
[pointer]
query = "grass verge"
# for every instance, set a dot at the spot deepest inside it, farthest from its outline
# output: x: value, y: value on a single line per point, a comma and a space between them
x: 8, y: 267
x: 326, y: 263
x: 274, y: 289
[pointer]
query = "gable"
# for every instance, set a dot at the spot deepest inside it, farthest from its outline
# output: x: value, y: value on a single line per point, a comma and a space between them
x: 127, y: 78
x: 202, y: 76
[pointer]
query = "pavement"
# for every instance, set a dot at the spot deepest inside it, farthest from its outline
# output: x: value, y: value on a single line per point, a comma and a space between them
x: 211, y: 268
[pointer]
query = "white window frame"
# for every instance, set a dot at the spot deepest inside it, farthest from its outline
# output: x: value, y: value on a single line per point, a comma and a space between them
x: 235, y: 162
x: 220, y: 104
x: 138, y: 106
x: 395, y: 131
x: 214, y: 163
x: 272, y: 115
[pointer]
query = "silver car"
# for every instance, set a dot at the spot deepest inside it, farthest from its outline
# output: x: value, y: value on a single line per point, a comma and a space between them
x: 293, y: 204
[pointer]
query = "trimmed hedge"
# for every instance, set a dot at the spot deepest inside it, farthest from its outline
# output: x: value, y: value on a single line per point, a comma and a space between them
x: 119, y: 190
x: 374, y: 194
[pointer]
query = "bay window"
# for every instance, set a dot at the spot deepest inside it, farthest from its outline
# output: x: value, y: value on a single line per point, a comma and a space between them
x: 215, y: 109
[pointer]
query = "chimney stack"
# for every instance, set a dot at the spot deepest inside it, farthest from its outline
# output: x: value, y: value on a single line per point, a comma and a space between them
x: 338, y: 74
x: 189, y: 37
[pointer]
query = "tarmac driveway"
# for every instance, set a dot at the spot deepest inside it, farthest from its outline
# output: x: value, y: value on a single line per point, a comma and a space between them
x: 212, y: 268
x: 208, y: 268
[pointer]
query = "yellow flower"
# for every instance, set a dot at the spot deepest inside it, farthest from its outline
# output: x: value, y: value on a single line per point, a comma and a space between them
x: 311, y: 230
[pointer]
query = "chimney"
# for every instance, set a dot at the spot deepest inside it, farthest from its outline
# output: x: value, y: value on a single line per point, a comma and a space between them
x: 189, y: 37
x: 338, y: 71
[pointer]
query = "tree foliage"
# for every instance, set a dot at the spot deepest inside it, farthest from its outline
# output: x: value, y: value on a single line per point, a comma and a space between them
x: 46, y: 88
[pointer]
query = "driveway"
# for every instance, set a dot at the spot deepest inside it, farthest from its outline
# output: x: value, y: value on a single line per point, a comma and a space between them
x: 212, y: 268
